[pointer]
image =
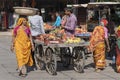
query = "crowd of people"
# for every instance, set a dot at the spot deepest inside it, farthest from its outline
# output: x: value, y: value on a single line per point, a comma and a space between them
x: 26, y: 29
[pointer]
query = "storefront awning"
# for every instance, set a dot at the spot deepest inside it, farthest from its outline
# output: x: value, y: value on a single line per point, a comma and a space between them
x: 97, y: 4
x: 94, y: 4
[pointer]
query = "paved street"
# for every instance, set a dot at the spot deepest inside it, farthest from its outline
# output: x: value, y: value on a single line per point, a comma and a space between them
x: 8, y: 67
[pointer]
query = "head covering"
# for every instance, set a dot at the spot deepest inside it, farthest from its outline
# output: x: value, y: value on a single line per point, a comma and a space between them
x: 118, y: 28
x: 104, y: 21
x: 20, y: 21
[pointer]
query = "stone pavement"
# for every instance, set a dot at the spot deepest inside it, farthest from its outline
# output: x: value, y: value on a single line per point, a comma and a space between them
x: 6, y: 33
x: 8, y: 67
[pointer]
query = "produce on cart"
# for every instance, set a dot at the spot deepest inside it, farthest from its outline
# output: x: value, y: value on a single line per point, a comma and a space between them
x: 47, y: 27
x: 56, y: 46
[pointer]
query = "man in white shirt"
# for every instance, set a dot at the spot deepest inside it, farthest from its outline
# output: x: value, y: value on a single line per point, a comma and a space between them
x: 36, y: 23
x: 37, y: 28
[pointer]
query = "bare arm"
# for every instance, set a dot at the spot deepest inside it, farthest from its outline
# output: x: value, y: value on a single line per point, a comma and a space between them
x: 32, y: 42
x: 108, y: 46
x: 31, y: 39
x: 13, y: 43
x: 13, y: 40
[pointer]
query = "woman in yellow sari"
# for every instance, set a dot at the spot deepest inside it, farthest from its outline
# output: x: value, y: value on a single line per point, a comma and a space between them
x: 97, y: 44
x: 22, y: 45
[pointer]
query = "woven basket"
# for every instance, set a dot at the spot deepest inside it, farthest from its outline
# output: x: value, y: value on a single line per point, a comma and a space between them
x: 25, y: 10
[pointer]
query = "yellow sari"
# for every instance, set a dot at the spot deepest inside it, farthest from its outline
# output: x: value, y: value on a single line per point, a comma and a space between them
x: 23, y: 48
x: 98, y: 45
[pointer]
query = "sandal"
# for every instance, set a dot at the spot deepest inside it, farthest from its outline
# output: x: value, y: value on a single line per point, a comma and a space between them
x: 21, y: 74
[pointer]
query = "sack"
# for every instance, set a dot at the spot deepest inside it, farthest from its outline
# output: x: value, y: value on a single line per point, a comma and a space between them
x: 118, y: 43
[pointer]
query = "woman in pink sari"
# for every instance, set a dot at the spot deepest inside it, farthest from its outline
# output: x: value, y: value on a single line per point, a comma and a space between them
x: 97, y: 45
x: 22, y: 45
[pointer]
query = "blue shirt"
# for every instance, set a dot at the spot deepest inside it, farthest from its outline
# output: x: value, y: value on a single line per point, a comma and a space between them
x: 57, y: 22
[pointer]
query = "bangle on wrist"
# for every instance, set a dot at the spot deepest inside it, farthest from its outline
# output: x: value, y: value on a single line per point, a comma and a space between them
x: 12, y: 45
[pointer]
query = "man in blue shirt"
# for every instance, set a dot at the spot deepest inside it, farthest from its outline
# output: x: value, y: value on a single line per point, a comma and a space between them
x: 58, y: 20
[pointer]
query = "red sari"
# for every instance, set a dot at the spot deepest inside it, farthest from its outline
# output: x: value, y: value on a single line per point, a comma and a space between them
x: 118, y: 53
x: 98, y: 45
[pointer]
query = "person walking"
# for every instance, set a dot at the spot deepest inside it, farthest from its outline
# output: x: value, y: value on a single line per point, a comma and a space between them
x: 22, y: 45
x: 118, y: 50
x: 37, y: 29
x: 97, y: 45
x: 71, y: 22
x: 112, y: 41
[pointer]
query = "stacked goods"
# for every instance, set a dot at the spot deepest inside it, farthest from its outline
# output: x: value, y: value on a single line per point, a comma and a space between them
x: 58, y: 35
x: 73, y: 40
x: 82, y: 32
x: 47, y: 26
x: 40, y: 37
x: 55, y: 31
x: 51, y: 37
x: 78, y: 31
x: 62, y: 31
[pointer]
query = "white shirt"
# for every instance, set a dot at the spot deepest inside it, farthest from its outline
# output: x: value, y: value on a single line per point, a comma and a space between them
x: 36, y: 23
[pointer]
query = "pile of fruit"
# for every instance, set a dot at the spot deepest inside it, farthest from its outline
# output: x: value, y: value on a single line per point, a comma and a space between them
x: 58, y: 35
x: 73, y: 40
x: 80, y: 30
x: 47, y: 26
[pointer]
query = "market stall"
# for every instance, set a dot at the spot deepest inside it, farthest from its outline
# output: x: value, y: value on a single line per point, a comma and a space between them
x: 53, y: 47
x: 95, y: 11
x: 98, y: 10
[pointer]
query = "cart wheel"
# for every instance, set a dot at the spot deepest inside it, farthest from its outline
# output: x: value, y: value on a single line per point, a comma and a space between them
x: 38, y: 57
x: 51, y: 63
x: 65, y: 56
x: 78, y: 60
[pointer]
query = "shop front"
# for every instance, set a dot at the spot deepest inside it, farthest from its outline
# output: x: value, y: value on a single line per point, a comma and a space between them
x: 6, y: 13
x: 49, y: 7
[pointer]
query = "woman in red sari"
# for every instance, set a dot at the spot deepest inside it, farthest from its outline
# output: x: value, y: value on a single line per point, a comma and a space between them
x: 118, y: 50
x: 97, y: 45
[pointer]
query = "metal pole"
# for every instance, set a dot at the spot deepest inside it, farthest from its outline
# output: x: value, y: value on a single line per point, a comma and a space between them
x: 75, y: 9
x: 109, y: 18
x: 99, y: 16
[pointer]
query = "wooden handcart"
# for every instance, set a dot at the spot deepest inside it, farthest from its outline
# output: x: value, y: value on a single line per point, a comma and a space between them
x: 48, y: 55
